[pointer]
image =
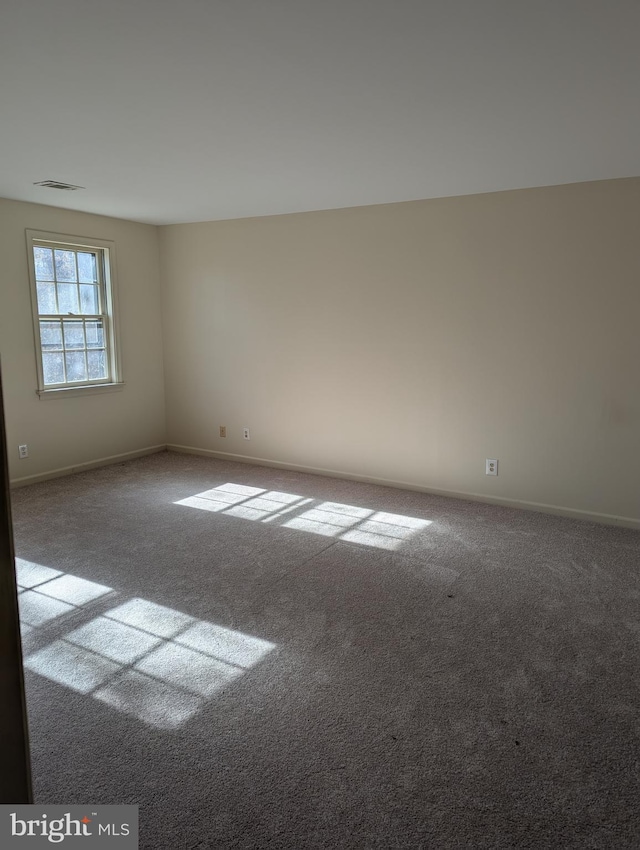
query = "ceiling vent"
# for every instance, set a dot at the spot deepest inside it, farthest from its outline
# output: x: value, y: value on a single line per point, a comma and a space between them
x: 56, y: 184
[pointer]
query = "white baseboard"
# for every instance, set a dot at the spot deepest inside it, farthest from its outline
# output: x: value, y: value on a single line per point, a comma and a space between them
x: 82, y: 467
x: 558, y: 510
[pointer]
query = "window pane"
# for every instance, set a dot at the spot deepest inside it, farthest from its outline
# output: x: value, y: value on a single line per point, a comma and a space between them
x: 72, y: 313
x: 89, y: 299
x: 95, y: 334
x: 97, y: 364
x: 87, y: 272
x: 68, y: 298
x: 46, y: 298
x: 53, y: 368
x: 50, y: 335
x: 43, y: 258
x: 76, y: 369
x: 73, y: 335
x: 65, y: 265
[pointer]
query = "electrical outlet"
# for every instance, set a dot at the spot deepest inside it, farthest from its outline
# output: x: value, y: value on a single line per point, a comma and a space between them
x: 223, y: 430
x: 246, y: 434
x: 491, y: 466
x: 23, y: 451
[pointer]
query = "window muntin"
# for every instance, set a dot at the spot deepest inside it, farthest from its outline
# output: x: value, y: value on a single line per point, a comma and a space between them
x: 73, y: 314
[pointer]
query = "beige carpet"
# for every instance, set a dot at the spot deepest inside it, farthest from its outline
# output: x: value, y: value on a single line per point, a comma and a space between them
x: 265, y: 659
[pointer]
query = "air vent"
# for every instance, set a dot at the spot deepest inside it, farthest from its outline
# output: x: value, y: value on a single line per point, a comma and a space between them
x: 55, y: 184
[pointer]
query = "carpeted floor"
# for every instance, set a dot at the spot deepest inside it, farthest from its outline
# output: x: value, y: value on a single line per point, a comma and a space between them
x: 265, y: 659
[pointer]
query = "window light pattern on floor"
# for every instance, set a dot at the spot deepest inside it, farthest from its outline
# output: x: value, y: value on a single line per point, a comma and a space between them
x: 156, y: 663
x: 331, y: 519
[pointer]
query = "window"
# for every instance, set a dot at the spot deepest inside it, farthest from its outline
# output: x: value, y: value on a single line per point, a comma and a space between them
x: 73, y: 296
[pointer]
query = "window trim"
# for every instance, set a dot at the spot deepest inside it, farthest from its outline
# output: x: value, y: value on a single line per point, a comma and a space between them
x: 107, y: 250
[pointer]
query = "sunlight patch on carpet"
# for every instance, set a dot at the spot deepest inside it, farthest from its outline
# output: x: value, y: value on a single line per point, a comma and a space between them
x: 153, y: 662
x: 349, y: 523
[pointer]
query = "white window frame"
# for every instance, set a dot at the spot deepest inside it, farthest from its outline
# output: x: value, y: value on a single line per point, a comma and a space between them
x: 106, y: 251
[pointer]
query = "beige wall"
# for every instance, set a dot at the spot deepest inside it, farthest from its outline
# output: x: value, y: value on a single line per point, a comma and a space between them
x: 405, y: 342
x: 71, y: 431
x: 411, y: 341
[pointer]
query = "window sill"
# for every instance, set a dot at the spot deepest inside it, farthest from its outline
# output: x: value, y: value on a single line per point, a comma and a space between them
x: 69, y: 392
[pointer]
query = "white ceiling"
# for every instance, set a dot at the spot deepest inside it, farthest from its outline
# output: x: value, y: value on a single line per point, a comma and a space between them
x: 188, y: 110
